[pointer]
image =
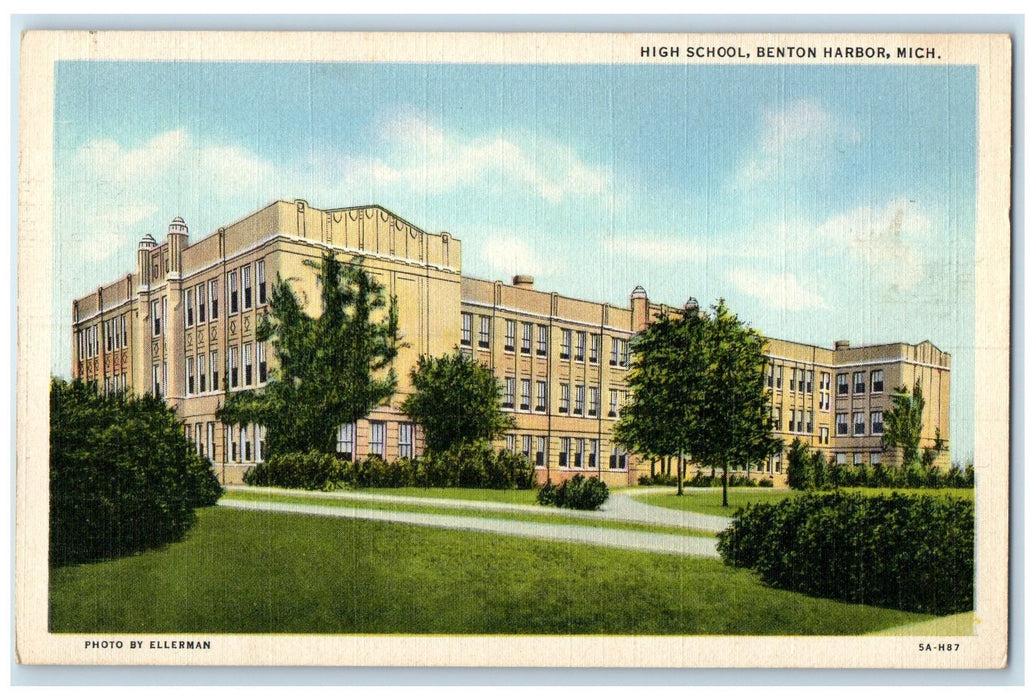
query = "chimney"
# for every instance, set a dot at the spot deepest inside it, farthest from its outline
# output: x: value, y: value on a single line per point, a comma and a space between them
x: 523, y: 281
x: 841, y: 345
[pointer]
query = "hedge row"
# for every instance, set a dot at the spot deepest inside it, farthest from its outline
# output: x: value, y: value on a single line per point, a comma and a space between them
x: 700, y: 479
x: 808, y: 470
x: 471, y: 465
x: 578, y: 493
x: 908, y: 552
x: 123, y: 478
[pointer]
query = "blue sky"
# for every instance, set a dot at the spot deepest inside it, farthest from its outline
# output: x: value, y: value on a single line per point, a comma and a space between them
x: 821, y: 202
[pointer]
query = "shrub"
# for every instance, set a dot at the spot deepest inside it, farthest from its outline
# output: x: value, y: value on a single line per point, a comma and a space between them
x: 659, y: 479
x: 315, y: 471
x: 123, y: 478
x: 578, y: 493
x: 907, y: 552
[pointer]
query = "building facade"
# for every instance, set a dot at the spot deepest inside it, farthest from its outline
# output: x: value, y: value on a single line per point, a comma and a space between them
x: 183, y: 326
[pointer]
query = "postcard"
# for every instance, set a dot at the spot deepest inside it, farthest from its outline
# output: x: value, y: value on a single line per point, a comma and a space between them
x: 513, y: 350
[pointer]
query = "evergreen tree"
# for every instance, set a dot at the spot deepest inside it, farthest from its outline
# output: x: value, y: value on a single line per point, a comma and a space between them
x: 904, y: 422
x: 332, y: 369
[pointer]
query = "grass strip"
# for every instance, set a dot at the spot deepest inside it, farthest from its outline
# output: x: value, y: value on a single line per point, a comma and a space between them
x: 545, y: 518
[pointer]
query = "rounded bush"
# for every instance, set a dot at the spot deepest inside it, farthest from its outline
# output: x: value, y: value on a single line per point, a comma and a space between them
x: 578, y: 493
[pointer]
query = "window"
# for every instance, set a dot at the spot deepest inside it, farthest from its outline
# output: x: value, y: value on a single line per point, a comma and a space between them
x: 562, y: 456
x: 857, y: 458
x: 824, y: 401
x: 260, y: 443
x: 190, y: 375
x: 213, y: 298
x: 247, y: 358
x: 210, y: 440
x: 156, y: 381
x: 778, y: 376
x: 775, y: 418
x: 594, y: 401
x: 346, y: 440
x: 859, y: 380
x: 808, y: 422
x: 510, y: 443
x: 260, y: 280
x: 769, y: 377
x: 465, y: 329
x: 231, y: 285
x: 876, y: 422
x: 508, y: 392
x: 526, y: 394
x: 841, y: 458
x: 526, y: 338
x: 214, y: 367
x: 790, y: 423
x: 202, y: 374
x: 542, y: 342
x: 526, y: 446
x: 124, y: 339
x: 877, y: 381
x: 875, y: 458
x: 824, y: 435
x: 824, y: 381
x: 801, y: 380
x: 580, y: 346
x: 233, y: 366
x: 156, y: 317
x: 260, y: 350
x: 594, y: 348
x: 199, y: 293
x: 483, y: 331
x: 614, y: 352
x: 859, y: 421
x: 188, y: 308
x: 842, y: 423
x: 580, y: 447
x: 808, y: 381
x: 508, y: 343
x: 405, y: 440
x: 565, y: 398
x: 580, y: 399
x: 246, y: 286
x: 377, y: 438
x: 227, y: 430
x: 617, y: 457
x: 540, y: 395
x: 613, y: 411
x: 565, y: 344
x: 594, y: 451
x: 842, y: 384
x: 246, y: 442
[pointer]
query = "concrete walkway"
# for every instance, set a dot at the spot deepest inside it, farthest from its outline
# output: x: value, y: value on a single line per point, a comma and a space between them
x: 620, y: 507
x: 602, y: 536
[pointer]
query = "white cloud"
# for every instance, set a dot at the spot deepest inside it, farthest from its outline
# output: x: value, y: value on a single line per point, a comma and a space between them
x: 891, y: 244
x: 421, y: 156
x: 505, y: 255
x: 779, y: 290
x: 796, y: 141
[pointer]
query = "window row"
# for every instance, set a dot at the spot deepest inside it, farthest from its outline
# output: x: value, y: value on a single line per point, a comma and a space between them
x: 89, y: 346
x: 799, y: 421
x: 858, y: 425
x: 579, y: 346
x: 405, y: 440
x: 799, y: 379
x: 201, y: 302
x: 859, y: 382
x: 573, y: 452
x: 246, y: 443
x: 841, y: 458
x: 114, y: 384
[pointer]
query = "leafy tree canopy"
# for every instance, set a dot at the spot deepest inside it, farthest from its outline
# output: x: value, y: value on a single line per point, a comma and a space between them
x: 904, y: 422
x: 332, y: 369
x: 456, y: 399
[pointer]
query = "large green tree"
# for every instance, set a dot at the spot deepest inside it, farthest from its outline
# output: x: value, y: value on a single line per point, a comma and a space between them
x: 904, y: 422
x: 664, y: 383
x: 456, y: 399
x: 331, y: 369
x: 698, y: 389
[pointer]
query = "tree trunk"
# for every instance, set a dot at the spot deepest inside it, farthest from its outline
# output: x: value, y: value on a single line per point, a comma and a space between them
x: 725, y: 482
x: 652, y: 460
x: 679, y: 475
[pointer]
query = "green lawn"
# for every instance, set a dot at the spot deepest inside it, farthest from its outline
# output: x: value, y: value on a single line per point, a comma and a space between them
x: 245, y: 572
x: 709, y: 501
x: 558, y: 518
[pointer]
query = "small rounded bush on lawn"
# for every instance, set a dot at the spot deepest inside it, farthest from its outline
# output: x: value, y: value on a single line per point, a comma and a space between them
x: 578, y: 493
